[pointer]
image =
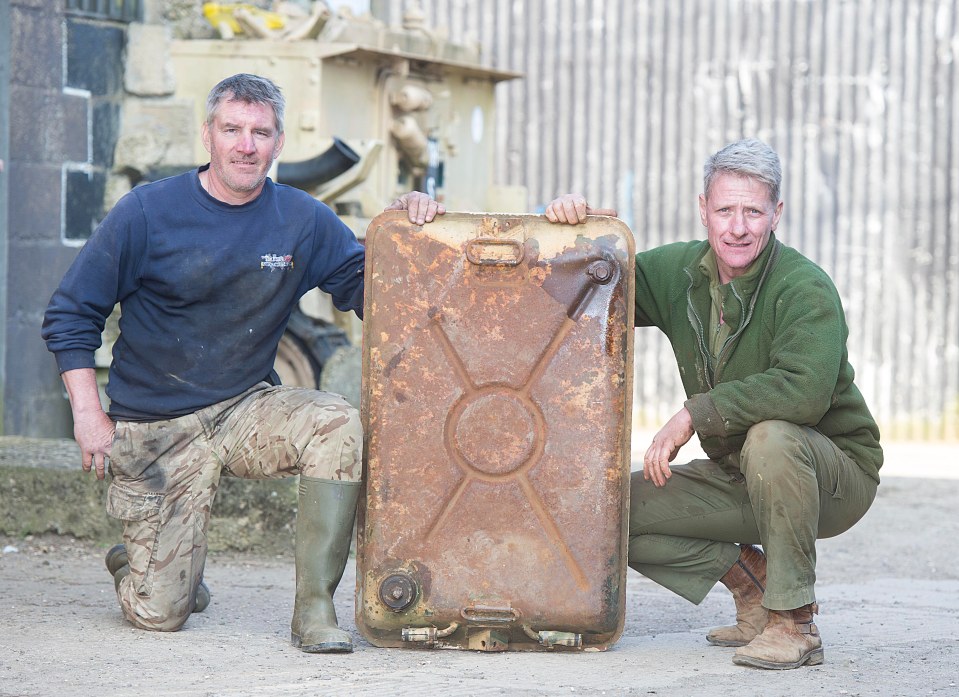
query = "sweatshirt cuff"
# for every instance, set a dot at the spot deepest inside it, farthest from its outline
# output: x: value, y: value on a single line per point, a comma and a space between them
x: 706, y: 419
x: 74, y: 359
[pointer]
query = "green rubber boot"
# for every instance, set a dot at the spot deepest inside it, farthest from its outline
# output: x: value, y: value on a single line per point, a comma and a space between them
x: 324, y: 529
x: 119, y: 566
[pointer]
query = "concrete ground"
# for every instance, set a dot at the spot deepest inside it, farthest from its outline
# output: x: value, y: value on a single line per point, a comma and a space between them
x: 888, y: 591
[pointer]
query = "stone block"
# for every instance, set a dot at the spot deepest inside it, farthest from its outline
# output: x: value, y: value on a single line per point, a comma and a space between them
x: 75, y: 134
x: 84, y: 203
x: 29, y: 293
x: 149, y: 71
x: 48, y: 126
x: 36, y: 124
x: 36, y: 47
x: 154, y: 11
x: 105, y: 131
x: 118, y: 186
x: 94, y: 57
x: 39, y: 500
x: 40, y: 407
x: 156, y: 133
x: 34, y: 200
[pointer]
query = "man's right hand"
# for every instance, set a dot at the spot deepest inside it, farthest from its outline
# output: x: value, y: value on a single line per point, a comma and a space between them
x: 94, y: 434
x: 572, y: 209
x: 419, y: 207
x: 92, y: 428
x: 666, y: 444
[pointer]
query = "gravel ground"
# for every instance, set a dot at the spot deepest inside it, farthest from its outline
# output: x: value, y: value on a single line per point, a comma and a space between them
x: 888, y: 591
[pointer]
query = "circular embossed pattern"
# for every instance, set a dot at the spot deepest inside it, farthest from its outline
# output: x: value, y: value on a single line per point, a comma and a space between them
x: 495, y: 433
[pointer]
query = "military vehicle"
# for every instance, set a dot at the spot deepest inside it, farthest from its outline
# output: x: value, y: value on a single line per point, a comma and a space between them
x: 373, y: 111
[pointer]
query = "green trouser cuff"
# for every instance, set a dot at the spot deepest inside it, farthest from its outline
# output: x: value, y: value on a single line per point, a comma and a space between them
x: 790, y: 600
x: 687, y: 566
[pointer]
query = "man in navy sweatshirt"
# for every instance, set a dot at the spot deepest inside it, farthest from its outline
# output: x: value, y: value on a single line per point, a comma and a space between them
x: 207, y: 267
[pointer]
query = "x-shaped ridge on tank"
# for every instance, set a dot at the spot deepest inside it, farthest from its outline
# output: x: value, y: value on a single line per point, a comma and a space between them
x: 520, y: 402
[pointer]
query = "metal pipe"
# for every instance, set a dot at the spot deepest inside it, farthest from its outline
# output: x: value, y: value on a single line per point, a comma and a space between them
x: 308, y: 174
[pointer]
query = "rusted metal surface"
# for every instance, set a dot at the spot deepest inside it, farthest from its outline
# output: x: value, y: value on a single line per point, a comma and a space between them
x: 497, y: 393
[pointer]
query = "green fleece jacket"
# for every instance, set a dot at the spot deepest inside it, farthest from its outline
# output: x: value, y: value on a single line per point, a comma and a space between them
x: 785, y: 358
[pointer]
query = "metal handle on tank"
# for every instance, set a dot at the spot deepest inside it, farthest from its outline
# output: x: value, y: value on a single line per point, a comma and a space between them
x: 488, y: 614
x: 483, y: 252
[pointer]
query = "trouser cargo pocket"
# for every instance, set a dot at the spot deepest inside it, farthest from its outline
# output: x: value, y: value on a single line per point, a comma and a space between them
x: 140, y: 513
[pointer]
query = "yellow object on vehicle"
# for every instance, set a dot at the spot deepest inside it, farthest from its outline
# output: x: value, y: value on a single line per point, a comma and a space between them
x: 220, y: 14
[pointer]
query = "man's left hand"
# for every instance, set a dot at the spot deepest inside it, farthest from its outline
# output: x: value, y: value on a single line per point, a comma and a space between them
x: 419, y: 207
x: 573, y: 209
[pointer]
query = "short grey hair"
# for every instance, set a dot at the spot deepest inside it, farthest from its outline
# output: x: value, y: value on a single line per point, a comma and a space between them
x: 251, y: 89
x: 749, y: 158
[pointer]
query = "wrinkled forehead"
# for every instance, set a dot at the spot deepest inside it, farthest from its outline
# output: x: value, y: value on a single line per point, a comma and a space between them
x: 229, y: 108
x: 731, y: 180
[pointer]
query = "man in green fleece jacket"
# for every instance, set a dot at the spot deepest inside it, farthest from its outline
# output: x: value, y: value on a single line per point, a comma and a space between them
x: 759, y: 335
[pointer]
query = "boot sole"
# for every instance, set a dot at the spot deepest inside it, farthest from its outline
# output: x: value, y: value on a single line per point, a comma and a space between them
x: 325, y: 647
x: 811, y: 658
x: 733, y: 644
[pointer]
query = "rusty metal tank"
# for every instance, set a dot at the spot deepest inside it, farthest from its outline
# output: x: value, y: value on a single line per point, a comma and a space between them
x: 497, y: 367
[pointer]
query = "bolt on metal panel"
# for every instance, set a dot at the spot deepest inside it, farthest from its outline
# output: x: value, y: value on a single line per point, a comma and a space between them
x: 497, y: 368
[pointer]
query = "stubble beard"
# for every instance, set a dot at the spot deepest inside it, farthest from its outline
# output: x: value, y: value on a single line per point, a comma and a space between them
x: 241, y: 184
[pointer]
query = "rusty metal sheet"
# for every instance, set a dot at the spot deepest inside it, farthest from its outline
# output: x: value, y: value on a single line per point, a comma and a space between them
x: 497, y: 368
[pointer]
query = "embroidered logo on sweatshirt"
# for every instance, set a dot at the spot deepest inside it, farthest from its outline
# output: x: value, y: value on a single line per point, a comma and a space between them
x: 277, y: 261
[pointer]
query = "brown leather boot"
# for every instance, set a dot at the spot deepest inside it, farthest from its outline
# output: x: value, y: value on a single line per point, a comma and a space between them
x: 746, y: 580
x: 790, y: 640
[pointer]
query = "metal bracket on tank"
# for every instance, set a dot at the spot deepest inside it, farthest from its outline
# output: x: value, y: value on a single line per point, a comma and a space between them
x: 427, y: 635
x: 488, y: 639
x: 549, y: 638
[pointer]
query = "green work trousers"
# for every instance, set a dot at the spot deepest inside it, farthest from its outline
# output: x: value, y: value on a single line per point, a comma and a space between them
x: 788, y: 487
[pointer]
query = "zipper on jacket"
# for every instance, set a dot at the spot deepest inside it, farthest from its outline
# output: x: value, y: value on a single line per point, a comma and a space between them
x: 700, y: 334
x: 747, y: 314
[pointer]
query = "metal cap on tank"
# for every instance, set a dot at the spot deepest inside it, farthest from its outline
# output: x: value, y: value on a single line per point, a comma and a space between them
x: 398, y: 591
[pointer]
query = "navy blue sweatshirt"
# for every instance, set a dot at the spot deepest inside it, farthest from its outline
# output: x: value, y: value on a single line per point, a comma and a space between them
x: 205, y: 291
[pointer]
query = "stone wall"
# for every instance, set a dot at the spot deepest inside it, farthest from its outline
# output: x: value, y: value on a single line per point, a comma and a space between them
x: 65, y: 91
x: 48, y: 127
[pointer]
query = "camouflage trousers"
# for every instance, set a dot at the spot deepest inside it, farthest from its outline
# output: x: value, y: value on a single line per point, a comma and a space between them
x: 165, y: 477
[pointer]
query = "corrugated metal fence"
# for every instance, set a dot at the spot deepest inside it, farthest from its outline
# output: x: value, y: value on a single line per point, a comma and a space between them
x: 623, y: 101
